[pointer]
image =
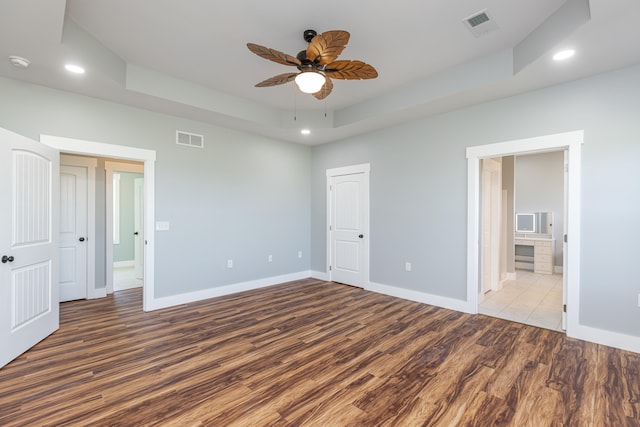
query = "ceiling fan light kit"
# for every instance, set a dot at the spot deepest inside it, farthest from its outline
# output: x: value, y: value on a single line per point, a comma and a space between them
x: 316, y: 65
x: 310, y: 81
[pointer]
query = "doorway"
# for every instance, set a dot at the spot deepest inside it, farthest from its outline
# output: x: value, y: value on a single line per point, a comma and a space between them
x: 570, y: 141
x: 348, y: 225
x: 530, y: 287
x: 124, y: 225
x: 147, y: 158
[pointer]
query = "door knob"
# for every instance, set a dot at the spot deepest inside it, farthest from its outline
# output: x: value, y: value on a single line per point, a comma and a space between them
x: 361, y: 236
x: 6, y: 259
x: 135, y: 233
x: 81, y: 239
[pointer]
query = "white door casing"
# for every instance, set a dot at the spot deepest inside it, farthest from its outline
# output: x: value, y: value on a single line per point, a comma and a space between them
x: 348, y: 225
x: 29, y: 309
x: 98, y: 149
x: 572, y: 141
x: 138, y: 219
x: 565, y: 218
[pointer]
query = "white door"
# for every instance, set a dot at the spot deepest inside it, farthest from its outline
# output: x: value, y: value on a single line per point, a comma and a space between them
x: 28, y: 243
x: 73, y: 232
x: 348, y: 239
x: 491, y: 220
x: 138, y: 224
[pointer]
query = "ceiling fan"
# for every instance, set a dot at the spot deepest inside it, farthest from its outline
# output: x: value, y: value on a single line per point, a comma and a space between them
x: 317, y: 64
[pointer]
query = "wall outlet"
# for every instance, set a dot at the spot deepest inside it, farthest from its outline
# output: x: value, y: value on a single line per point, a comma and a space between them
x: 299, y: 254
x: 407, y: 266
x: 270, y: 258
x: 229, y: 263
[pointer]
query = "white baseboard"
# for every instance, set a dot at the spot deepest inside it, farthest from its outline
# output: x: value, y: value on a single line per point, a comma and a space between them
x: 437, y: 300
x: 124, y: 264
x: 320, y: 275
x: 608, y: 338
x: 164, y: 302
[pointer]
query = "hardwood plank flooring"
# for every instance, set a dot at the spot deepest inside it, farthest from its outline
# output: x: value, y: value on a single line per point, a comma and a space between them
x: 311, y: 353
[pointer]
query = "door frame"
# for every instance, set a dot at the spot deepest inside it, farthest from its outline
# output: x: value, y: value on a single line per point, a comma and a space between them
x: 570, y: 141
x: 110, y: 167
x: 91, y: 164
x: 364, y: 169
x: 492, y: 167
x: 99, y: 149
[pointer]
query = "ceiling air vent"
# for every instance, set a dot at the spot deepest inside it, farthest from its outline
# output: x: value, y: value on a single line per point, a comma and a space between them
x: 480, y: 23
x: 189, y: 139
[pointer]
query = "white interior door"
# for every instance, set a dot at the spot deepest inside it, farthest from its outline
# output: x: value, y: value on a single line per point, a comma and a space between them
x: 348, y: 239
x: 29, y: 309
x: 138, y: 220
x: 73, y: 232
x: 491, y: 224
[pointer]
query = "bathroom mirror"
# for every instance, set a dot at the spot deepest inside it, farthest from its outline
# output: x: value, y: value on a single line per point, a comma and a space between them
x: 534, y: 222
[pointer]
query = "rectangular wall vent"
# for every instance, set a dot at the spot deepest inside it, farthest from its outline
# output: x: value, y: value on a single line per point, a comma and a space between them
x: 480, y: 23
x: 189, y: 139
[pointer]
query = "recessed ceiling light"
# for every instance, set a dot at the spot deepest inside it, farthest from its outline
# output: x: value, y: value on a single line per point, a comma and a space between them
x: 74, y: 68
x: 305, y: 132
x: 564, y: 54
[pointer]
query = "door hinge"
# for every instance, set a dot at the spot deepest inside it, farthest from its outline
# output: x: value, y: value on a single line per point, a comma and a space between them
x: 564, y: 308
x: 330, y: 228
x: 329, y: 268
x: 566, y: 239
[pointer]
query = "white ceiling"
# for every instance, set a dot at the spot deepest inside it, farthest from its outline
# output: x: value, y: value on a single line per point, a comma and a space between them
x: 189, y: 58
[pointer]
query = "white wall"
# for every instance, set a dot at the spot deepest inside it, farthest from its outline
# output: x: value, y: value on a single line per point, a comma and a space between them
x: 418, y: 191
x: 242, y: 197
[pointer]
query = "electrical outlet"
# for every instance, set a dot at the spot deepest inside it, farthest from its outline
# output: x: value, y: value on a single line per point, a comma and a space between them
x: 299, y: 254
x: 270, y: 258
x: 229, y: 263
x: 407, y: 266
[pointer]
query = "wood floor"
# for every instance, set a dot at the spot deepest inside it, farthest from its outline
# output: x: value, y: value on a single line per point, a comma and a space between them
x: 311, y: 353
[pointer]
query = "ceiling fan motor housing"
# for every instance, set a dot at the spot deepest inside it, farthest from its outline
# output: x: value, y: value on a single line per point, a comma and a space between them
x: 309, y: 35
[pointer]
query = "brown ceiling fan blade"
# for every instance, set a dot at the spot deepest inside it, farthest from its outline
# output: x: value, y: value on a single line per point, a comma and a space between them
x: 273, y: 55
x: 280, y: 79
x: 325, y: 48
x: 326, y: 89
x: 350, y: 70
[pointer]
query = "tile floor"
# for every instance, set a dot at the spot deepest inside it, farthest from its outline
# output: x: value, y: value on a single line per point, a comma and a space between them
x: 534, y: 299
x: 125, y: 278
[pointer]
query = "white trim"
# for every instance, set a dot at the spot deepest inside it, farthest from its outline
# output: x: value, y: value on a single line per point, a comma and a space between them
x: 365, y: 169
x: 572, y: 141
x: 111, y: 167
x: 90, y: 164
x: 320, y: 275
x: 76, y: 146
x: 123, y: 264
x: 173, y: 300
x: 608, y: 338
x: 417, y: 296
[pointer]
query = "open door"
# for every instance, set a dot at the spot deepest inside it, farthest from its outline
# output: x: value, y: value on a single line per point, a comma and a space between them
x: 138, y: 220
x: 29, y: 222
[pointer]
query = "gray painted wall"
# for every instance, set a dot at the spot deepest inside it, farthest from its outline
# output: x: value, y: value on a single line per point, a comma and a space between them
x: 540, y: 188
x: 124, y: 251
x: 242, y: 197
x: 419, y: 187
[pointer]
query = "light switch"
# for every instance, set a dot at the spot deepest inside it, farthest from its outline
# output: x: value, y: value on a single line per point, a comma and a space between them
x: 162, y: 225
